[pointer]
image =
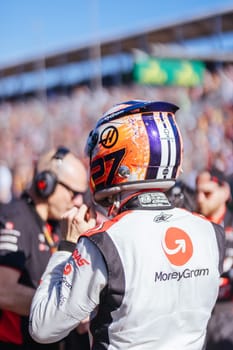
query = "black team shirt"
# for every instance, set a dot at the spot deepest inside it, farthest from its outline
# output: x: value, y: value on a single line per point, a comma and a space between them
x: 26, y: 244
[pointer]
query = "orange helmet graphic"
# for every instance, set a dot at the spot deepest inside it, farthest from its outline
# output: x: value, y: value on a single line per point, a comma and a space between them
x: 135, y: 145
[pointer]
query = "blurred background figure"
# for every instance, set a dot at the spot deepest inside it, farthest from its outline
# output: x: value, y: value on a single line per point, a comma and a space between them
x: 6, y: 180
x: 213, y: 200
x: 29, y: 234
x: 213, y: 195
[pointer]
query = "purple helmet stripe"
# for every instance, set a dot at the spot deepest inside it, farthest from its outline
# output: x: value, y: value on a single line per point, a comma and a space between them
x: 155, y: 146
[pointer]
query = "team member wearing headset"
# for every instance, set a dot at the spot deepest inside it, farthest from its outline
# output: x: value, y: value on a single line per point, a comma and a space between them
x: 27, y: 240
x: 148, y: 278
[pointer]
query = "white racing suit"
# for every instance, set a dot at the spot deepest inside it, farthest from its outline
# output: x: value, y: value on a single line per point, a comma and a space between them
x: 148, y: 279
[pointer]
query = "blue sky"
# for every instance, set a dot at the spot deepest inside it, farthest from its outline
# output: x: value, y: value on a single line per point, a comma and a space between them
x: 30, y: 27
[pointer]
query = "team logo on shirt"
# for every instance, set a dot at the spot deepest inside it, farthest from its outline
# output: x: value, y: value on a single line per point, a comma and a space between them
x: 67, y: 269
x: 177, y: 246
x: 79, y: 261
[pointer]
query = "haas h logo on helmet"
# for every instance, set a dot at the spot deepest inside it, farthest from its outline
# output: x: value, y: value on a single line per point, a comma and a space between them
x: 109, y: 137
x: 46, y: 180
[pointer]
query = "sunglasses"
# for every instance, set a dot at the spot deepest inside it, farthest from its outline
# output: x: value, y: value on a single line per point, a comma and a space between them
x: 74, y: 193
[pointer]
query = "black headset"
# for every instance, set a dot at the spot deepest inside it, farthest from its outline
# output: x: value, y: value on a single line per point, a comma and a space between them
x: 46, y: 181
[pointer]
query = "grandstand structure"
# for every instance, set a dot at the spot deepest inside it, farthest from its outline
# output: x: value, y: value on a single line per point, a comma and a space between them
x: 109, y: 61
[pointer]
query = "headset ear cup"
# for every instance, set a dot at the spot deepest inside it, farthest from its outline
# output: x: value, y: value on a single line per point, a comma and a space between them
x: 45, y: 183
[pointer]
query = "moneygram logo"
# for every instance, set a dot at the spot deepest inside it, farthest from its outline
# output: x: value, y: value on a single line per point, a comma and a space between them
x: 177, y: 246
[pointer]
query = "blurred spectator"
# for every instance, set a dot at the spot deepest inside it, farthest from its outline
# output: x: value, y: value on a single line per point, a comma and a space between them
x: 213, y: 195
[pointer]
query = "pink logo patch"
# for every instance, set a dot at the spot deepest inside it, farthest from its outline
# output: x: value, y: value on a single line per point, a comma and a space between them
x: 9, y: 225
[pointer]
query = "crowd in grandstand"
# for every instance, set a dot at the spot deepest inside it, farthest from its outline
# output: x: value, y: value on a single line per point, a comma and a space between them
x: 31, y: 126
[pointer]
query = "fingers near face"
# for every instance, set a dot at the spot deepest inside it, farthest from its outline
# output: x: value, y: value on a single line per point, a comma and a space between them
x: 76, y: 214
x: 81, y: 213
x: 70, y: 214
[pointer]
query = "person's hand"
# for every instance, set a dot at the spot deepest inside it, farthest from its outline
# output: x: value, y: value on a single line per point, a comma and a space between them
x: 76, y: 221
x: 84, y: 326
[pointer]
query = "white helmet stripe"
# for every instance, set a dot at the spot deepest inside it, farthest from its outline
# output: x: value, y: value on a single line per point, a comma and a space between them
x: 168, y: 146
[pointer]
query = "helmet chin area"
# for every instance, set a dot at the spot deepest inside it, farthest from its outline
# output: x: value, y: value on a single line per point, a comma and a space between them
x: 107, y: 196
